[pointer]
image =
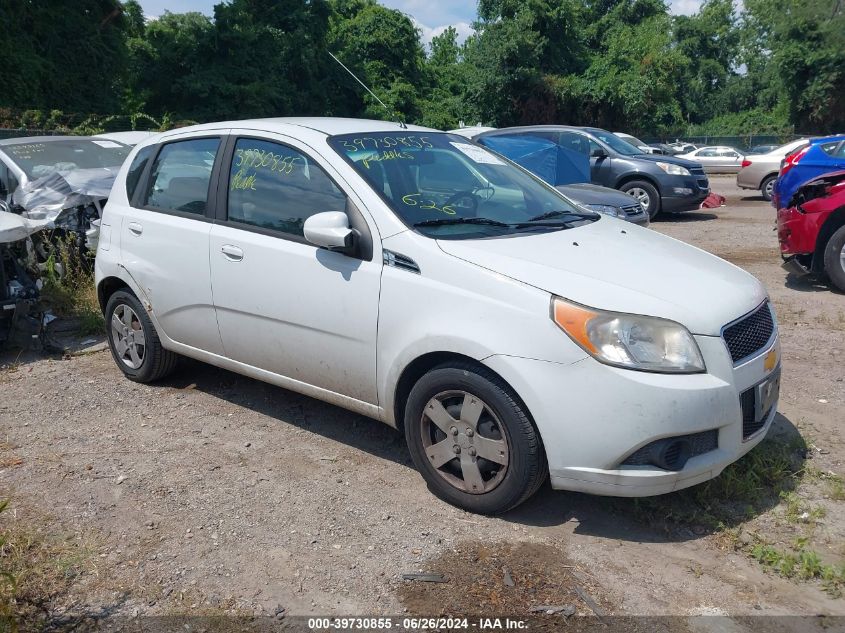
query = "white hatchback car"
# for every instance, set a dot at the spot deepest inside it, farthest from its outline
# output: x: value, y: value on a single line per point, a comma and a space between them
x: 417, y: 278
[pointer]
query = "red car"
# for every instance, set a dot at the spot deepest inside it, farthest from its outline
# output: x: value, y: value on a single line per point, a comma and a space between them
x: 811, y: 230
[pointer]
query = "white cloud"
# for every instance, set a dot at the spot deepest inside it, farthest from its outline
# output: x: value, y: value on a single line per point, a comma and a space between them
x: 464, y: 30
x: 684, y: 7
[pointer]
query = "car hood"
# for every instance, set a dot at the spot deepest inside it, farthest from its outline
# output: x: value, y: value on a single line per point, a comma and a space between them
x: 614, y: 265
x: 665, y: 158
x: 585, y: 193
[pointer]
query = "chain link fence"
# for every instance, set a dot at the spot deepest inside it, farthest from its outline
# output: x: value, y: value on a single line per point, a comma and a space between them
x: 743, y: 142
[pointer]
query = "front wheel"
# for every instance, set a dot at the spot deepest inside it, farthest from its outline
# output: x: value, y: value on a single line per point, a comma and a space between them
x: 472, y: 440
x: 834, y: 258
x: 646, y: 194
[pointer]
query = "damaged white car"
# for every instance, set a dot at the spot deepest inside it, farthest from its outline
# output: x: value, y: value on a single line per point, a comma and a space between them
x: 51, y: 188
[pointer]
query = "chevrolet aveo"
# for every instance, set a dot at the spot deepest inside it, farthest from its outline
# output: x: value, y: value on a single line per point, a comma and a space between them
x: 415, y: 277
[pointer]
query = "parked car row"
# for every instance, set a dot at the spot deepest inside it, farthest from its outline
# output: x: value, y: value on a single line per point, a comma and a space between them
x: 420, y: 278
x: 563, y: 155
x: 809, y: 195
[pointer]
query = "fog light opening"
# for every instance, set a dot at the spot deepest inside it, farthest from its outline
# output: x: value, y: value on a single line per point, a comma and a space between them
x: 671, y: 455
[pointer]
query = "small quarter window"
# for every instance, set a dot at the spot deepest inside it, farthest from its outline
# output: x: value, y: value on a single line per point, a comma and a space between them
x: 275, y: 187
x: 180, y: 176
x: 136, y: 169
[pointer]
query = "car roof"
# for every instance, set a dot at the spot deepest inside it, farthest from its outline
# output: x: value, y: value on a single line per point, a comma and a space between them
x: 828, y: 139
x: 39, y: 139
x: 472, y: 131
x: 329, y: 126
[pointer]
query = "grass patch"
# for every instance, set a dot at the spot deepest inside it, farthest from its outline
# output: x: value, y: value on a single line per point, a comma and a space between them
x: 801, y: 564
x: 37, y: 567
x: 69, y: 286
x: 752, y: 485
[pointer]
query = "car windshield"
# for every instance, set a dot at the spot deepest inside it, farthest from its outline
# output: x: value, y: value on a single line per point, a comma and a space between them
x: 42, y: 158
x: 633, y: 140
x: 447, y: 187
x: 616, y: 143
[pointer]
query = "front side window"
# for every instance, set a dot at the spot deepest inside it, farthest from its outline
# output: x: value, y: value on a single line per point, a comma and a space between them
x: 449, y: 188
x: 181, y: 175
x: 275, y: 187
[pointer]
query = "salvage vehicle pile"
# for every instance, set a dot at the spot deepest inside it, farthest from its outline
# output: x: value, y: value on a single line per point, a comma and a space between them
x: 52, y: 193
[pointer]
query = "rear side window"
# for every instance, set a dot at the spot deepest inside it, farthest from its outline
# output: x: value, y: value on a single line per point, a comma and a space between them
x: 275, y: 187
x: 180, y: 176
x: 136, y: 169
x: 837, y: 150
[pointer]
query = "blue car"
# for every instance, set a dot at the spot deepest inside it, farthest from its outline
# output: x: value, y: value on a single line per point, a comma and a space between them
x: 820, y: 156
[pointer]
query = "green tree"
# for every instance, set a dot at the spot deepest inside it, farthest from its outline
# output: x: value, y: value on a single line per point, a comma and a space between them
x: 382, y: 47
x: 443, y: 106
x: 802, y: 44
x: 59, y: 55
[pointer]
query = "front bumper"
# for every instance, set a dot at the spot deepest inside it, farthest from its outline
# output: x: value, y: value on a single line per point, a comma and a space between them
x: 683, y: 193
x: 591, y: 417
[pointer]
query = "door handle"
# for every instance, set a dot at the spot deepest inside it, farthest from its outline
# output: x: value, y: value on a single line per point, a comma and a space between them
x: 232, y: 253
x: 135, y: 228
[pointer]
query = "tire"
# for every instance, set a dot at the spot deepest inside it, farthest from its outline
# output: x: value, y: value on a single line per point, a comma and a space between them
x: 834, y: 258
x: 141, y: 357
x: 502, y: 429
x: 645, y: 192
x: 767, y: 187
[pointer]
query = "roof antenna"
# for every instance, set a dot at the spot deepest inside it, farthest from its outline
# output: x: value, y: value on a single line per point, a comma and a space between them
x: 392, y: 114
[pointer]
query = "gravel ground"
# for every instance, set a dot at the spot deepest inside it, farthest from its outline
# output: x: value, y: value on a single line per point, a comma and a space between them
x: 218, y: 493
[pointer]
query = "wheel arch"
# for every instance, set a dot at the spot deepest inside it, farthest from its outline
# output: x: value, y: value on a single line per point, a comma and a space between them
x: 107, y: 287
x: 834, y: 222
x: 771, y: 174
x: 421, y: 365
x: 629, y: 177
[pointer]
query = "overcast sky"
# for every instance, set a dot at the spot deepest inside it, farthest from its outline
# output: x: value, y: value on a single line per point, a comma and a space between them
x: 432, y: 16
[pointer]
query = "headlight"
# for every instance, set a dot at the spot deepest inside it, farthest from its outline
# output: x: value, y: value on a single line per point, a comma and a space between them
x: 605, y: 209
x: 674, y: 170
x: 629, y: 340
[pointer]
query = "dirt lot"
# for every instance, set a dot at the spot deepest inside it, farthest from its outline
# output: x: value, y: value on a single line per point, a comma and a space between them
x: 216, y: 493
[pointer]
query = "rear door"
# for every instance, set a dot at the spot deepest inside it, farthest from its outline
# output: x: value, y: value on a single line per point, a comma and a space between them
x: 164, y: 237
x: 284, y: 305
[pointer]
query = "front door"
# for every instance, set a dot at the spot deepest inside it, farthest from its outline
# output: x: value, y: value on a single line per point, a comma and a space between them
x: 284, y: 305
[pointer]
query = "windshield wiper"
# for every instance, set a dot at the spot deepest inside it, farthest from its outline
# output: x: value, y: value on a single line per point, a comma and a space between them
x: 448, y: 221
x: 575, y: 215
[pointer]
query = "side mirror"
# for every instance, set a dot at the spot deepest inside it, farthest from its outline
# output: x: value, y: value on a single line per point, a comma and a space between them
x: 598, y: 153
x: 329, y: 230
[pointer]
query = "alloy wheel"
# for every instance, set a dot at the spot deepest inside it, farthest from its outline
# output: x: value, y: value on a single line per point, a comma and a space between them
x: 770, y: 189
x: 641, y: 195
x: 464, y: 441
x: 128, y: 336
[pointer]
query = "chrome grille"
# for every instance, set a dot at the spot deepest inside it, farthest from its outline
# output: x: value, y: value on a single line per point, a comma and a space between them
x: 750, y: 334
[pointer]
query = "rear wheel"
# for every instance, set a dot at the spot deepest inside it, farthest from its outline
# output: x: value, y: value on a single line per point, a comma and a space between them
x: 133, y: 340
x: 472, y: 440
x: 767, y: 187
x: 646, y: 194
x: 834, y: 258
